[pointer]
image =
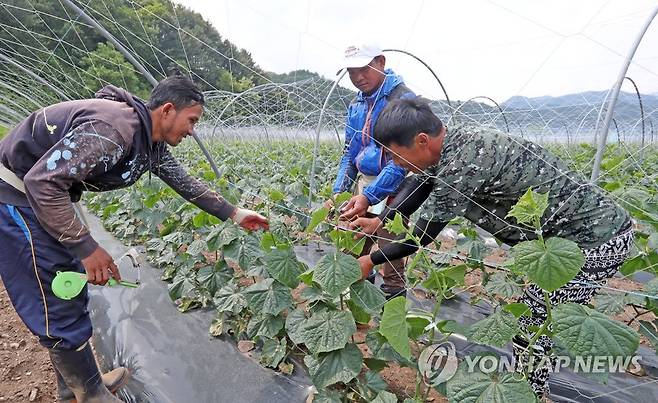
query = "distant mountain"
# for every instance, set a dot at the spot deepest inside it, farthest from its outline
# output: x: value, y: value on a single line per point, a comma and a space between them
x: 567, y: 115
x: 589, y: 98
x: 579, y: 112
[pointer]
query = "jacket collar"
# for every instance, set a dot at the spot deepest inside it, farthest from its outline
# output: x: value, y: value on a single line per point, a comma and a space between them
x: 391, y: 81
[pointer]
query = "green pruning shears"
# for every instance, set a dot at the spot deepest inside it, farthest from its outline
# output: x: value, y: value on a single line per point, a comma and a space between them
x: 68, y: 284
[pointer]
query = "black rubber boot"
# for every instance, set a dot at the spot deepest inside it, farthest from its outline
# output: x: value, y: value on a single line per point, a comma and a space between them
x: 64, y: 394
x: 112, y: 380
x: 78, y: 370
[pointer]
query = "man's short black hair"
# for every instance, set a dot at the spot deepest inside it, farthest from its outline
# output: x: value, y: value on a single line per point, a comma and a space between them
x: 402, y: 119
x: 177, y: 89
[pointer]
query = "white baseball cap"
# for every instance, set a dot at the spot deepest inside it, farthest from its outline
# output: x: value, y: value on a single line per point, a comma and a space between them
x: 360, y: 55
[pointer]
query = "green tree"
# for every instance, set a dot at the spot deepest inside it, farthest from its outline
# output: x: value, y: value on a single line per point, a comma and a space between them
x: 106, y: 65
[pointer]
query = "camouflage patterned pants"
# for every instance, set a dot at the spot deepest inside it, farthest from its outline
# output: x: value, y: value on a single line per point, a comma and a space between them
x: 601, y: 263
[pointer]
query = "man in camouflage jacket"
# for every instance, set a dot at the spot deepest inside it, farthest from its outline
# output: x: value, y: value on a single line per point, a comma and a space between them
x: 480, y: 174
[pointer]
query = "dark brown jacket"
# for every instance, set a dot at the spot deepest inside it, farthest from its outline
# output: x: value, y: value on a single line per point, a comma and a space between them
x: 93, y: 144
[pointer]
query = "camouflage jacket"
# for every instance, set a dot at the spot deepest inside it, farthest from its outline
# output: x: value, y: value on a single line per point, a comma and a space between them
x: 482, y: 173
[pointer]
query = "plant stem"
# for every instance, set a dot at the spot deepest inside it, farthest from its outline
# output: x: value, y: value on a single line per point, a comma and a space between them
x: 547, y: 300
x: 419, y: 380
x: 414, y: 261
x: 638, y: 314
x: 435, y: 313
x: 427, y: 392
x: 544, y: 325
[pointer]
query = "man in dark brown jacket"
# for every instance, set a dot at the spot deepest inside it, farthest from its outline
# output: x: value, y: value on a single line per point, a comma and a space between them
x: 46, y: 162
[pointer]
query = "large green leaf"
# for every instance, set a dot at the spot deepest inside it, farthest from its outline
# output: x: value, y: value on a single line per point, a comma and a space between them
x: 367, y: 296
x: 550, y: 265
x: 181, y: 286
x: 610, y: 304
x: 283, y: 266
x: 215, y: 277
x: 317, y: 217
x: 313, y: 294
x: 416, y: 324
x: 307, y: 277
x: 335, y: 272
x: 153, y: 218
x: 393, y: 325
x: 586, y: 332
x: 156, y: 245
x: 495, y: 387
x: 230, y: 299
x: 244, y: 250
x: 381, y: 349
x: 263, y: 325
x: 196, y: 247
x: 222, y: 235
x: 359, y: 314
x: 328, y: 330
x: 269, y: 241
x: 295, y: 322
x: 499, y: 284
x: 375, y: 364
x: 268, y: 296
x: 449, y: 326
x: 495, y: 330
x: 336, y: 366
x: 445, y: 278
x: 200, y: 219
x: 258, y: 269
x: 177, y: 238
x: 518, y: 309
x: 373, y: 381
x: 274, y: 351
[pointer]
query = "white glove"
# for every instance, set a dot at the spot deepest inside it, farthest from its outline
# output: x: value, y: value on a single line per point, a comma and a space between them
x: 242, y: 213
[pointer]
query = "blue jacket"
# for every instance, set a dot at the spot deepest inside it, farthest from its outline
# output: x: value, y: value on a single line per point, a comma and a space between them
x: 363, y: 154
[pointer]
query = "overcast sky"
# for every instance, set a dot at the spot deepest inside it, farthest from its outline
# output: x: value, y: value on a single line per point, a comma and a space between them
x: 496, y: 48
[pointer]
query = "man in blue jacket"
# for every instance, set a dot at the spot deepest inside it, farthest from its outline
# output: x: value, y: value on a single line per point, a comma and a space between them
x: 364, y: 162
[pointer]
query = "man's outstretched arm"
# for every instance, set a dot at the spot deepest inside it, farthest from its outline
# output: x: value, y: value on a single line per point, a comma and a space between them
x: 167, y: 168
x: 425, y: 231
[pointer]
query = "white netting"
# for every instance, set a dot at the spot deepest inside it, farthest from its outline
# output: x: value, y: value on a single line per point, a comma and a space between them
x: 48, y: 53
